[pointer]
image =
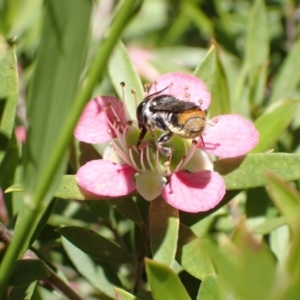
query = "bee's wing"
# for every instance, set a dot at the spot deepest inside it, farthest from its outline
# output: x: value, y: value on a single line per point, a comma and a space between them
x: 166, y: 103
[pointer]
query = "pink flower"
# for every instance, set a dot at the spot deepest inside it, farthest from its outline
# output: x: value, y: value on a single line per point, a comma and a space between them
x: 187, y: 180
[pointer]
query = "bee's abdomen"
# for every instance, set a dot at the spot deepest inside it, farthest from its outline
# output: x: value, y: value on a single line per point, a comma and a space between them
x: 189, y: 124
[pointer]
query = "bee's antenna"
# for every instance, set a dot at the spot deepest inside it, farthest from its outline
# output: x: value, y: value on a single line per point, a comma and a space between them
x: 156, y: 93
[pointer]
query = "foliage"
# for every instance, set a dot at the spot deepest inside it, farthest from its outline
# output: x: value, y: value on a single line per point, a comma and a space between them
x: 70, y: 244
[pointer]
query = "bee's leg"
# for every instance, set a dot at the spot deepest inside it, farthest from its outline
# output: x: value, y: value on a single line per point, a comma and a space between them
x: 165, y: 137
x: 141, y: 136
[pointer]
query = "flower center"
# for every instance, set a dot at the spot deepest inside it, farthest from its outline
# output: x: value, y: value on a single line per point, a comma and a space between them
x: 185, y: 154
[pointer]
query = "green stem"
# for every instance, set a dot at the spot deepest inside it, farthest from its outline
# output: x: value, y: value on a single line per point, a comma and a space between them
x: 95, y: 74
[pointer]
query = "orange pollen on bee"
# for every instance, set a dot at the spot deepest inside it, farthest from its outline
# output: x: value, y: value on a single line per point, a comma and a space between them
x: 191, y: 113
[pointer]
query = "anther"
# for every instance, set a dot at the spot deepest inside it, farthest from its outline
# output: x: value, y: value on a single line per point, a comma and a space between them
x: 122, y: 84
x: 147, y: 87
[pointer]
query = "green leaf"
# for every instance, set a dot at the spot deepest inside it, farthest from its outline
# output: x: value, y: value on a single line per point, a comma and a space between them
x: 164, y: 283
x: 249, y: 171
x: 121, y: 69
x: 101, y: 277
x: 257, y: 37
x: 286, y: 198
x: 69, y: 189
x: 242, y: 264
x: 164, y: 225
x: 95, y: 245
x: 60, y: 60
x: 273, y: 123
x: 209, y: 288
x: 8, y: 89
x: 254, y: 71
x: 27, y: 271
x: 212, y: 73
x: 123, y: 295
x: 191, y: 255
x: 269, y: 225
x: 279, y: 240
x: 128, y: 208
x: 23, y: 292
x: 287, y: 81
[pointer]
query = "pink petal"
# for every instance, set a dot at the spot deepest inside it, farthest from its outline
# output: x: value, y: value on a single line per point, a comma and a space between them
x: 194, y: 192
x: 231, y: 136
x: 196, y: 88
x: 93, y: 125
x: 105, y: 178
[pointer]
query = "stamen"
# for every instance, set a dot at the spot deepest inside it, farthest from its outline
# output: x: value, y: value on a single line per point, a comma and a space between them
x: 187, y: 96
x: 170, y: 85
x: 133, y: 164
x: 155, y: 86
x: 149, y: 160
x: 168, y: 170
x: 168, y: 163
x: 122, y: 155
x: 178, y: 167
x: 122, y: 88
x: 213, y: 122
x: 190, y: 153
x: 123, y: 99
x: 116, y: 117
x: 157, y: 160
x: 142, y: 160
x: 147, y: 87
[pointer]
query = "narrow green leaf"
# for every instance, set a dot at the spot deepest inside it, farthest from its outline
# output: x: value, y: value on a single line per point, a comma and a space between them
x: 293, y: 267
x: 251, y: 82
x: 242, y: 265
x: 121, y: 69
x: 95, y: 245
x: 164, y: 283
x: 279, y: 240
x: 272, y: 124
x: 23, y: 292
x: 269, y: 225
x: 191, y: 255
x: 164, y: 225
x: 123, y: 295
x: 69, y: 189
x: 8, y: 89
x: 211, y: 71
x: 257, y: 37
x: 60, y: 59
x: 101, y: 277
x: 209, y: 288
x: 288, y: 78
x: 128, y: 208
x: 286, y: 198
x: 28, y: 270
x: 207, y: 68
x: 249, y: 171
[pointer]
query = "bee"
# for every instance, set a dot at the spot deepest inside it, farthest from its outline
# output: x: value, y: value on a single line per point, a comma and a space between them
x: 170, y: 115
